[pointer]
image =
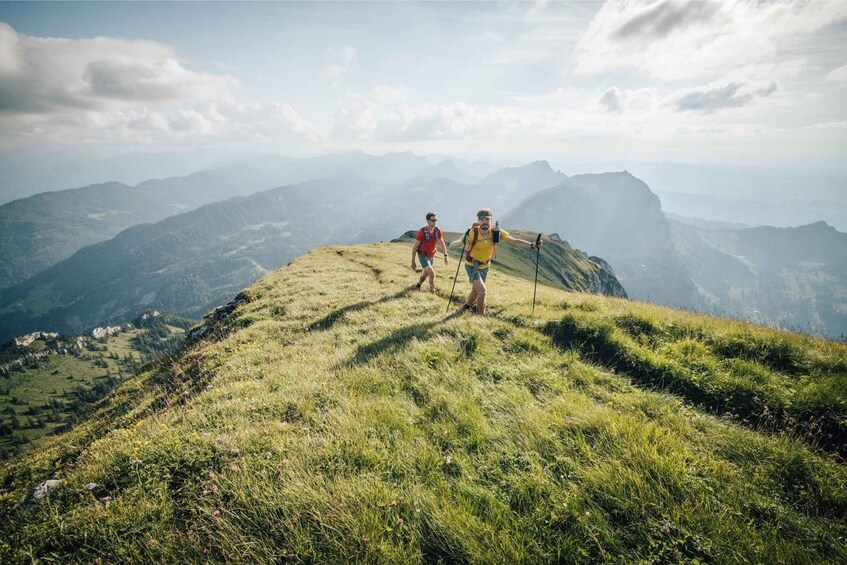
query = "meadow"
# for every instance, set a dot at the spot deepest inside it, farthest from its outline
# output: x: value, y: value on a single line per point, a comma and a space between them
x: 57, y: 381
x: 338, y: 416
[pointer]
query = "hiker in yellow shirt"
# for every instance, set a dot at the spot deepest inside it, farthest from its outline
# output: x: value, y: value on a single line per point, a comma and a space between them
x: 480, y: 241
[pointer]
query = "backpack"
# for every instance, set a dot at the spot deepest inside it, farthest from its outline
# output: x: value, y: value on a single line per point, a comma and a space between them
x: 427, y: 237
x: 495, y: 239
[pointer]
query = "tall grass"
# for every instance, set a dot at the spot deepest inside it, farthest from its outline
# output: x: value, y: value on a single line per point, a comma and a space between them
x: 337, y: 417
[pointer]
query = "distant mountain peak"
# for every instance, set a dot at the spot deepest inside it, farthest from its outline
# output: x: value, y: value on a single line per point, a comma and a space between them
x: 819, y: 226
x: 542, y: 164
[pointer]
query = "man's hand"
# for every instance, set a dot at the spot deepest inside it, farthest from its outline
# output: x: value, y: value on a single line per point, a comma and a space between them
x: 414, y: 266
x: 445, y: 259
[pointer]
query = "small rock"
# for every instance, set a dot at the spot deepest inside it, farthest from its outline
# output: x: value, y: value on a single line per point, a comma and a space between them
x: 39, y: 493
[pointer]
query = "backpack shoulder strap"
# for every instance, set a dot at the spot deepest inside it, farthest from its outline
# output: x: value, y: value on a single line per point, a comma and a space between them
x: 473, y: 241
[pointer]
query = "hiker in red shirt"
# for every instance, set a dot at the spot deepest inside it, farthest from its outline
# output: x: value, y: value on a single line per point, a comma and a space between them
x: 425, y: 249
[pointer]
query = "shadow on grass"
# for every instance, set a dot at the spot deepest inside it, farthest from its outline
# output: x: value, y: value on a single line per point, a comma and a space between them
x: 597, y: 343
x: 396, y: 340
x: 330, y: 319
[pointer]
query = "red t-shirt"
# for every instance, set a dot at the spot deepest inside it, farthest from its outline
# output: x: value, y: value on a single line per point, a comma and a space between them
x: 427, y: 246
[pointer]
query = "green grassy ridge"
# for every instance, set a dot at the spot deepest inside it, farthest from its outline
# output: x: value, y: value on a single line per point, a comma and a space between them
x: 336, y: 416
x: 559, y: 266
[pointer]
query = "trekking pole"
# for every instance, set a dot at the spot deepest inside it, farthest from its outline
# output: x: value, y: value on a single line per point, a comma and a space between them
x: 459, y: 264
x: 537, y: 255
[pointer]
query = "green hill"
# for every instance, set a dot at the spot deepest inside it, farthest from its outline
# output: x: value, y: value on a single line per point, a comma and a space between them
x: 48, y: 381
x: 330, y: 414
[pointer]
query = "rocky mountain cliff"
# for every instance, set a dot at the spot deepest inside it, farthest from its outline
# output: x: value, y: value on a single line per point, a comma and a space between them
x: 791, y: 277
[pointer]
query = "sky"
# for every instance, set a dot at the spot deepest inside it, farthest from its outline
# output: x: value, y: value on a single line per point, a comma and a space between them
x: 735, y: 82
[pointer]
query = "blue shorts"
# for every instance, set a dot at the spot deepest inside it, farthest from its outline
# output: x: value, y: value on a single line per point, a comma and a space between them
x: 476, y: 273
x: 425, y: 261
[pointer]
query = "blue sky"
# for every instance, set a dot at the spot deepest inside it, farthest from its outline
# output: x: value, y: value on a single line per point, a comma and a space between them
x: 735, y: 82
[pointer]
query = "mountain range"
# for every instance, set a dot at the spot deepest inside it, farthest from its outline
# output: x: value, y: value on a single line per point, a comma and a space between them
x: 41, y: 230
x: 791, y: 277
x: 191, y: 261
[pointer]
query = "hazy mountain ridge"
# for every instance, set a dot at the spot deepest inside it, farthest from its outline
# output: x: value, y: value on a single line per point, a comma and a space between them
x: 185, y: 264
x: 41, y: 230
x: 457, y: 203
x: 763, y: 211
x: 617, y: 217
x: 793, y: 277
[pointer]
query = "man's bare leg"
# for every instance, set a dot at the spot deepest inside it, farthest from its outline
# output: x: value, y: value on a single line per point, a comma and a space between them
x: 480, y: 290
x: 471, y: 298
x: 427, y: 272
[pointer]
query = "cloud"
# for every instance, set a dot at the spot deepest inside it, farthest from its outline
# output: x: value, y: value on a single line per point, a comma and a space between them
x: 113, y: 91
x: 48, y: 75
x: 714, y: 97
x: 838, y: 75
x: 366, y: 120
x: 828, y: 125
x: 666, y: 18
x: 611, y: 100
x: 341, y: 62
x: 644, y: 101
x: 161, y: 80
x: 675, y: 39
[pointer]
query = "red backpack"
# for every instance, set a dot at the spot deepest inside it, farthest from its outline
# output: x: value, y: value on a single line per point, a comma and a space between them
x: 436, y: 234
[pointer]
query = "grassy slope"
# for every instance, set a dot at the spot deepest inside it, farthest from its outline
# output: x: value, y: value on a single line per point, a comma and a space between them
x: 337, y: 417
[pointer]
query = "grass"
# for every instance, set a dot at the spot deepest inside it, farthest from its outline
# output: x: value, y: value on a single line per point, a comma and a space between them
x: 338, y: 417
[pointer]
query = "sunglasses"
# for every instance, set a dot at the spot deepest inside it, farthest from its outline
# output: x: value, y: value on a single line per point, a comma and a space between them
x: 432, y: 220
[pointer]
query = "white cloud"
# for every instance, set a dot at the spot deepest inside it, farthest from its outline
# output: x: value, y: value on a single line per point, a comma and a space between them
x: 143, y: 80
x: 48, y: 75
x: 641, y: 100
x: 617, y: 118
x: 611, y: 100
x: 828, y: 125
x: 105, y: 90
x: 838, y: 75
x: 678, y: 39
x: 341, y: 63
x: 718, y: 96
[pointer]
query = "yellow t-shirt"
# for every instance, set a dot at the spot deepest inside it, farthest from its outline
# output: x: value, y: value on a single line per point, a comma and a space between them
x: 484, y: 246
